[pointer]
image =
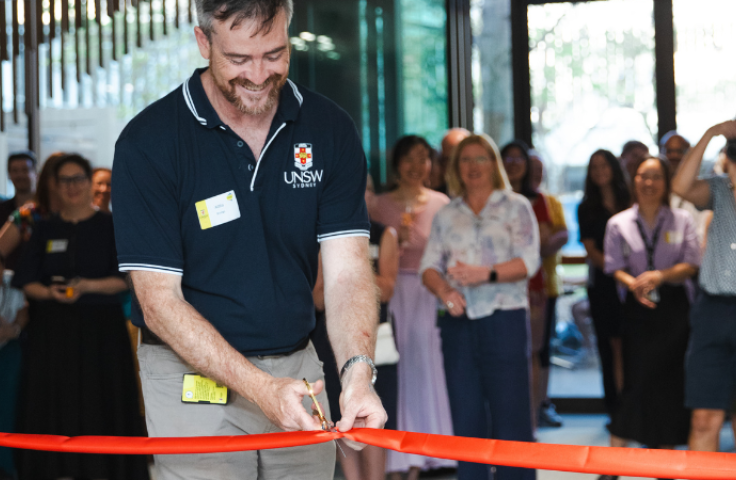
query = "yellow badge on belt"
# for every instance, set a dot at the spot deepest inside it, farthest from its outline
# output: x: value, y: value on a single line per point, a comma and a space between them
x: 199, y: 389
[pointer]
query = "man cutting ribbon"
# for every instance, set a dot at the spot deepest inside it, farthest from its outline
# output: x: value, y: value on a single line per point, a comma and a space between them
x: 220, y: 227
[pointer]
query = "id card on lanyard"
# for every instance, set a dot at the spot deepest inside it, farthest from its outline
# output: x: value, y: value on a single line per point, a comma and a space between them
x: 650, y: 247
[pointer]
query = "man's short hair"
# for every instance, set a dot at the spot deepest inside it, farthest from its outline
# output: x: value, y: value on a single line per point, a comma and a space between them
x: 668, y: 136
x: 23, y: 155
x: 633, y: 145
x: 221, y: 10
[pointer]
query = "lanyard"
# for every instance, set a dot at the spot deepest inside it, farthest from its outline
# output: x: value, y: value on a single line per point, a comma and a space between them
x: 651, y: 247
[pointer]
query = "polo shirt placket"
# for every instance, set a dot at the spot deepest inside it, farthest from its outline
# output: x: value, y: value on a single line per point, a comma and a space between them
x: 252, y: 276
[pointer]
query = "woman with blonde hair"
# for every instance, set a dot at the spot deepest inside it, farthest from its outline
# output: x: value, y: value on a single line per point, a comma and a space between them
x: 482, y: 249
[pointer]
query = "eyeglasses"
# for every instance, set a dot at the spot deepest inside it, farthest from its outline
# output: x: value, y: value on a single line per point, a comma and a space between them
x: 514, y: 159
x: 654, y: 178
x: 476, y: 160
x: 76, y: 180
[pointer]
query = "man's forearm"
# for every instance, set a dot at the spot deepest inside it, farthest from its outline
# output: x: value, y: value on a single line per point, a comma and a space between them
x: 689, y: 168
x: 351, y: 306
x: 197, y: 342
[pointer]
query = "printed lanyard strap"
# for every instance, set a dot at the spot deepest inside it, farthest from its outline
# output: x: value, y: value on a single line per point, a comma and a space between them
x: 651, y: 247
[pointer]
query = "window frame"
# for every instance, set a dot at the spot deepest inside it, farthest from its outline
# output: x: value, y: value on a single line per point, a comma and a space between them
x: 460, y: 45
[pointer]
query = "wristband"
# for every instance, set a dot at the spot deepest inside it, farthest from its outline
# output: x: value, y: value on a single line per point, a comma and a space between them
x: 356, y: 359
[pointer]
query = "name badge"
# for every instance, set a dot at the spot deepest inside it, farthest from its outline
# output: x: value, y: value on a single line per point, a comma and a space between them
x: 56, y: 246
x: 217, y: 210
x: 674, y: 238
x: 199, y: 389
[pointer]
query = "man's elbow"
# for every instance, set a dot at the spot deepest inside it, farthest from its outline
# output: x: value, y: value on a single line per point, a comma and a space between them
x: 678, y: 189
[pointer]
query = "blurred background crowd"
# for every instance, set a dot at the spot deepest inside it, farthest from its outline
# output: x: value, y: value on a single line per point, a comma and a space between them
x: 466, y: 249
x: 579, y: 216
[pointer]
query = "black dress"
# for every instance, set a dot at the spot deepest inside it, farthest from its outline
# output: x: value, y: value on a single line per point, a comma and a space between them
x: 652, y: 408
x: 78, y: 376
x: 387, y: 382
x: 605, y: 306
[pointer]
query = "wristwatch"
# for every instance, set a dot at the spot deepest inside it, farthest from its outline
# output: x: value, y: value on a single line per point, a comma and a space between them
x: 493, y: 276
x: 356, y: 359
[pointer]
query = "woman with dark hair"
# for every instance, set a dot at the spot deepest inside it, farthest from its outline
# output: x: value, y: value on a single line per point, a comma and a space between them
x: 77, y: 375
x: 606, y: 194
x: 518, y: 167
x: 14, y: 236
x: 423, y: 404
x: 18, y: 228
x: 653, y: 250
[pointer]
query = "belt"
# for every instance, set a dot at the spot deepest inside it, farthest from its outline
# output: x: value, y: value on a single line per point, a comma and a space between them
x: 299, y: 347
x: 150, y: 338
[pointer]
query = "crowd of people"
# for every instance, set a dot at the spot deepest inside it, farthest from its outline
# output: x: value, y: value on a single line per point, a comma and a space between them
x: 65, y: 355
x: 473, y: 305
x: 465, y: 249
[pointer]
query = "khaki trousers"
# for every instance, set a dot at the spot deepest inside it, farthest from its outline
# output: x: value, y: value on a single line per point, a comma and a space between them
x: 166, y: 416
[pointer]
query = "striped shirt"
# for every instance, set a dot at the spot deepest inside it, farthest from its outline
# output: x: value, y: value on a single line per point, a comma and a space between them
x: 718, y: 270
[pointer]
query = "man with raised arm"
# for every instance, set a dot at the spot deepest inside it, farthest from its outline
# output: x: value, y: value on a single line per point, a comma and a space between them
x: 711, y: 362
x: 225, y: 191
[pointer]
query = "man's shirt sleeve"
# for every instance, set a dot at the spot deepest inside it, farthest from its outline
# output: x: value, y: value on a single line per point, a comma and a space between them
x: 342, y: 209
x: 146, y: 213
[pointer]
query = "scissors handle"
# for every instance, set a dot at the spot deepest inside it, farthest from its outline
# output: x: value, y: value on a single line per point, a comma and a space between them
x: 322, y: 419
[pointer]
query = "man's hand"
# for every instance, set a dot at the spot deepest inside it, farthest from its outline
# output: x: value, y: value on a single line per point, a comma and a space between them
x: 359, y: 403
x: 281, y: 401
x: 727, y: 129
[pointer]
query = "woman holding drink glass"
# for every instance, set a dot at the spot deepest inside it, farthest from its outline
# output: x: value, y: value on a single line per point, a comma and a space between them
x: 423, y: 405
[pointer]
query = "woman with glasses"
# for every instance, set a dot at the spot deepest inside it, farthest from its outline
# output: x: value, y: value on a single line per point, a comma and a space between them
x: 423, y: 405
x: 78, y: 376
x: 606, y: 194
x: 518, y: 167
x: 653, y: 250
x: 482, y: 249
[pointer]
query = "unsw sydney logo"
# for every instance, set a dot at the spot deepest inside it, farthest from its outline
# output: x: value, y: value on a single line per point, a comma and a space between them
x: 303, y: 161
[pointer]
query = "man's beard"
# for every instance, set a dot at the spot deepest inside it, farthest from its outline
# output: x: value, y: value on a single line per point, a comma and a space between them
x: 229, y: 91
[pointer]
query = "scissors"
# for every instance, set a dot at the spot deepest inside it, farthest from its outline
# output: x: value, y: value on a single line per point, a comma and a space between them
x: 322, y: 419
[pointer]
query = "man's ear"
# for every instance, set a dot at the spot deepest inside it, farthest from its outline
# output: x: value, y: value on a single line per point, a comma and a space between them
x: 203, y: 42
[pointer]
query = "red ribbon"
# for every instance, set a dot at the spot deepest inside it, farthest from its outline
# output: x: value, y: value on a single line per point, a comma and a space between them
x: 631, y: 462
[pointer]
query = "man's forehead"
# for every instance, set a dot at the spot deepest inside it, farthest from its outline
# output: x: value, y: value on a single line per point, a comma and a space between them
x: 675, y: 141
x: 452, y: 139
x: 252, y: 26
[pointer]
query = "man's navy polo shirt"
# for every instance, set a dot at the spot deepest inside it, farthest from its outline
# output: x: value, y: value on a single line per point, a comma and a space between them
x: 251, y: 277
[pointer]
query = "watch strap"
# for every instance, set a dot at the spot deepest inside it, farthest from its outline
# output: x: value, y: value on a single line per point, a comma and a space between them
x: 356, y: 359
x: 492, y: 276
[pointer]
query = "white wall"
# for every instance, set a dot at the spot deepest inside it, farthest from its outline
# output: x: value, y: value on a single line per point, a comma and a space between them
x: 91, y: 132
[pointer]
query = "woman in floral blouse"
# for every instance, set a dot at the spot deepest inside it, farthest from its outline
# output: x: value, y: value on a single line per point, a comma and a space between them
x: 482, y: 250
